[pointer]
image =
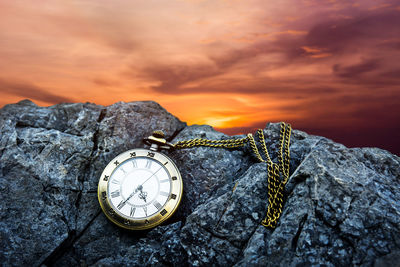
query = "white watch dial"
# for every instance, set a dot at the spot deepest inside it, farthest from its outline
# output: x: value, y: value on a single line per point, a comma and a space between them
x: 139, y: 187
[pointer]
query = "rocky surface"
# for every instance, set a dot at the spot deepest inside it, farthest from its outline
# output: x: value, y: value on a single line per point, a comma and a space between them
x: 342, y: 206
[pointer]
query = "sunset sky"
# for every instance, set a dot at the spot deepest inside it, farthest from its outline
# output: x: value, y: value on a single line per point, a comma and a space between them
x: 329, y: 67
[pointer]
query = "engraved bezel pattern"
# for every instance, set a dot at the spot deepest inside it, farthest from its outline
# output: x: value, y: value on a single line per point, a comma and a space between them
x: 160, y: 216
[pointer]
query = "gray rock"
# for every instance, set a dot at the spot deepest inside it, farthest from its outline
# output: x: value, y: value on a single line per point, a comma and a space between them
x: 342, y: 204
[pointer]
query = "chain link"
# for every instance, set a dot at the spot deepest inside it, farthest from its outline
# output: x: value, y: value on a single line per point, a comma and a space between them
x: 229, y: 143
x: 276, y: 185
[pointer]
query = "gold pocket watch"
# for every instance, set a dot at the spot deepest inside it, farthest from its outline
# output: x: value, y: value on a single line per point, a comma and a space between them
x: 141, y: 188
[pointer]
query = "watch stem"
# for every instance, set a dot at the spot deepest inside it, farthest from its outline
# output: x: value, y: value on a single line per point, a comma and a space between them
x: 157, y: 141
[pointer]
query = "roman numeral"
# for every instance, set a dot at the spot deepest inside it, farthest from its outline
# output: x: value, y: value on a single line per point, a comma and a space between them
x: 115, y: 182
x: 121, y: 204
x: 148, y: 164
x: 163, y: 212
x: 145, y: 210
x: 165, y: 194
x: 133, y: 209
x: 157, y: 205
x: 114, y: 194
x: 134, y: 163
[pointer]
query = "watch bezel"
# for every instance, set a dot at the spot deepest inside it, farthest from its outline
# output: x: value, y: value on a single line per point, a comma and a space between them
x: 157, y: 218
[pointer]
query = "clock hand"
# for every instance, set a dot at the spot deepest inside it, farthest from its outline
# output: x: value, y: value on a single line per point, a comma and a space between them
x: 140, y: 187
x: 150, y: 177
x: 133, y: 193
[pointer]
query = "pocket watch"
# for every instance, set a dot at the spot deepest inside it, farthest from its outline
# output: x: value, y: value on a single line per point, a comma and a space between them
x: 141, y: 188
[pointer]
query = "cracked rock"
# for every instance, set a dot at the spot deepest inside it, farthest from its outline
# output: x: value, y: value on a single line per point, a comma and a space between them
x: 341, y: 206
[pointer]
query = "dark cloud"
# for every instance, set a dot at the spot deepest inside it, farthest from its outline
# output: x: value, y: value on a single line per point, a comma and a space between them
x: 334, y: 36
x: 340, y: 37
x: 172, y: 77
x: 364, y: 32
x: 356, y: 69
x: 27, y: 90
x: 234, y: 56
x: 389, y: 44
x: 372, y: 73
x: 392, y: 74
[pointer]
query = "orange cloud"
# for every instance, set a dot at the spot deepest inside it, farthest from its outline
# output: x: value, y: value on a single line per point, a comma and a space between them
x: 321, y: 65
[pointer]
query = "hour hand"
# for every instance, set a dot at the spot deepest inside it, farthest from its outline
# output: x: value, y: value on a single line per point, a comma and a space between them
x: 139, y: 188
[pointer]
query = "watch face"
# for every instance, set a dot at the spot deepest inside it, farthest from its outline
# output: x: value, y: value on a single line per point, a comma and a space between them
x: 140, y: 189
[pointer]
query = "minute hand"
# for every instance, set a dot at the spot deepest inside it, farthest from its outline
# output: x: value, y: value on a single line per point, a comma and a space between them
x: 139, y: 186
x: 150, y: 177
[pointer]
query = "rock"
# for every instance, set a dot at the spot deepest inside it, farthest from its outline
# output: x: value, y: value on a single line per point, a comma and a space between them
x: 50, y: 162
x: 342, y: 204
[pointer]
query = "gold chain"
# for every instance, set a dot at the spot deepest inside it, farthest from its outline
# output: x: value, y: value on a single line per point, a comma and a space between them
x: 276, y: 185
x: 229, y: 143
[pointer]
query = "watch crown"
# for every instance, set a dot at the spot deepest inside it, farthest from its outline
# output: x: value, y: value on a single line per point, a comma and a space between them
x: 158, y: 134
x: 157, y: 141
